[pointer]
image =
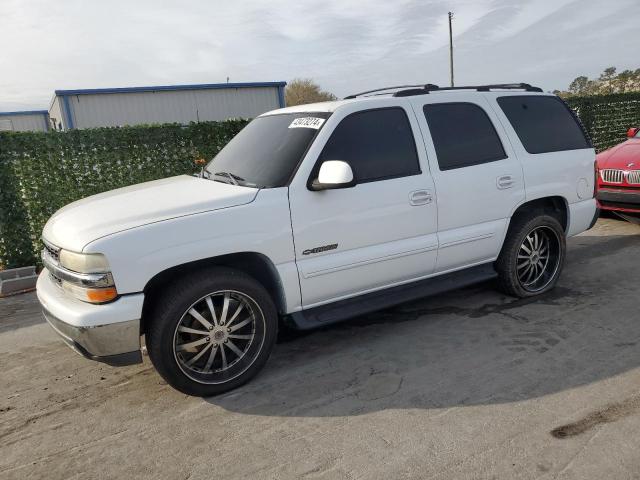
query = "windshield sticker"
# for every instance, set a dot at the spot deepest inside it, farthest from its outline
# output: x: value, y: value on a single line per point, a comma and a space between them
x: 307, y: 122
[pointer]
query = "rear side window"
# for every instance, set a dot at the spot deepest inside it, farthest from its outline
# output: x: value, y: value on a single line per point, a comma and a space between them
x: 543, y: 124
x: 378, y: 144
x: 463, y: 135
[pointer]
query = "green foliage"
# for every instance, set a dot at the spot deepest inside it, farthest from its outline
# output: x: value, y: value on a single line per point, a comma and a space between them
x: 607, y: 117
x: 42, y: 172
x: 607, y: 83
x: 301, y: 91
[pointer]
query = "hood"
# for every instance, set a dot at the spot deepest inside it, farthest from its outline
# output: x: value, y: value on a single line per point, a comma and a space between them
x: 81, y: 222
x: 620, y: 156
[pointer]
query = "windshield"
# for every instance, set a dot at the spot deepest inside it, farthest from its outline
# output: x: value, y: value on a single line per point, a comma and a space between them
x: 267, y: 151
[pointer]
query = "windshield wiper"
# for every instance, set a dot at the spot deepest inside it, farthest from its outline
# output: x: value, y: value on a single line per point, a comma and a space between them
x: 234, y: 178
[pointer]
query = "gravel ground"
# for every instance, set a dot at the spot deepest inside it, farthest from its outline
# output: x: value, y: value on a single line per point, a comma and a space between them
x: 471, y: 384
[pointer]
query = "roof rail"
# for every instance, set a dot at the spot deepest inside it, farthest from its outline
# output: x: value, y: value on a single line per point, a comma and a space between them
x: 423, y: 89
x: 480, y: 88
x: 388, y: 88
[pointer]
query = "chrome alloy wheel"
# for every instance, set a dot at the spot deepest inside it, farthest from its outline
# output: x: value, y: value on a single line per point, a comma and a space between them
x: 538, y: 259
x: 219, y: 337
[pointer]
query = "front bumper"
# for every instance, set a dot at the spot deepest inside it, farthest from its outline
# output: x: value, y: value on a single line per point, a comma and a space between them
x: 108, y: 333
x: 619, y: 200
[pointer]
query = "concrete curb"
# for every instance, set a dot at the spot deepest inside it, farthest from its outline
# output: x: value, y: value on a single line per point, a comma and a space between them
x: 17, y: 280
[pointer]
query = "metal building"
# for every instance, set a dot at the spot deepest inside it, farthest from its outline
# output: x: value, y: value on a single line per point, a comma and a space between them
x: 110, y: 107
x: 27, y: 121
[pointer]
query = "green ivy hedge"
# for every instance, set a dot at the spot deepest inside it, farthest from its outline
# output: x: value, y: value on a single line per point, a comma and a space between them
x: 607, y: 117
x: 41, y: 172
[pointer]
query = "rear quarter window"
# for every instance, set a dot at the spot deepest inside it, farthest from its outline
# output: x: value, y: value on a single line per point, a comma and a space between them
x: 543, y: 124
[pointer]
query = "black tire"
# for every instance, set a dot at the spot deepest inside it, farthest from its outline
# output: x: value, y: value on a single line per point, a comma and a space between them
x: 514, y: 271
x: 171, y: 331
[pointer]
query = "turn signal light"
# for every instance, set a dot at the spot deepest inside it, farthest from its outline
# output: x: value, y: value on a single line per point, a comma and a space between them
x: 91, y: 295
x: 101, y: 295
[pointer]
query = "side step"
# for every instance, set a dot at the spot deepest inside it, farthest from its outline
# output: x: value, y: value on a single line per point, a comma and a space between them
x: 370, y: 302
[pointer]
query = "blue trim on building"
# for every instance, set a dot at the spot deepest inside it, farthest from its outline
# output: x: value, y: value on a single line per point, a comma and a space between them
x: 25, y: 112
x: 66, y: 107
x: 281, y: 96
x: 165, y: 88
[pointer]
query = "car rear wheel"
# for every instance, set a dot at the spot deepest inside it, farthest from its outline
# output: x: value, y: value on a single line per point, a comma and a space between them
x: 212, y: 331
x: 532, y: 256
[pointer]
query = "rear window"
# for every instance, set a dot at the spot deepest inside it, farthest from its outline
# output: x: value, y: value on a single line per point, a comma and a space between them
x: 543, y: 124
x: 463, y: 135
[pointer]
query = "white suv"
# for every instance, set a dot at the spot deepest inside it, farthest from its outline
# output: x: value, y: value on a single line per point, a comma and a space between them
x: 316, y: 213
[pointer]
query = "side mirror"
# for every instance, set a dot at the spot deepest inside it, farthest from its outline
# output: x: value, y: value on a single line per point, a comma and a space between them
x: 632, y: 132
x: 333, y: 174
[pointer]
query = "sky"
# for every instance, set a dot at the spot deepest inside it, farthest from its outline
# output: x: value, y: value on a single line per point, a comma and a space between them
x: 345, y: 45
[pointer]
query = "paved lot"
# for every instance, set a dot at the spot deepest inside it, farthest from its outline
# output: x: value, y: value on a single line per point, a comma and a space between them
x: 471, y: 384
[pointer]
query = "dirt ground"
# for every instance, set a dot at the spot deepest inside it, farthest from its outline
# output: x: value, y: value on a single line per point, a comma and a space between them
x: 471, y: 384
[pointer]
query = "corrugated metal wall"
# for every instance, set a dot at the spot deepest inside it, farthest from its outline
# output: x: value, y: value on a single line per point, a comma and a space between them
x: 55, y: 114
x: 175, y: 106
x: 23, y: 121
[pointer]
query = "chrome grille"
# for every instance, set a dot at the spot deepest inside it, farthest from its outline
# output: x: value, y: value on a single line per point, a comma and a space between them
x: 612, y: 176
x: 633, y: 177
x: 54, y: 252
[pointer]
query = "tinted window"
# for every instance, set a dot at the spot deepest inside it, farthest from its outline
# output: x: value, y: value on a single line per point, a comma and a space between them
x: 543, y: 124
x: 463, y: 135
x: 378, y: 144
x: 267, y: 151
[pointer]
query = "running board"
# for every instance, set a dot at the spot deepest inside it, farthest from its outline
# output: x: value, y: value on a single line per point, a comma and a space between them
x: 370, y: 302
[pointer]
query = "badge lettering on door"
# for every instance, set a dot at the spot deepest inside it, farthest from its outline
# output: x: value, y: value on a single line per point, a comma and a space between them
x: 323, y: 248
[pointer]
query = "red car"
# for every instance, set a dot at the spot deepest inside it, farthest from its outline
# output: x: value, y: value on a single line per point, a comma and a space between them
x: 619, y: 177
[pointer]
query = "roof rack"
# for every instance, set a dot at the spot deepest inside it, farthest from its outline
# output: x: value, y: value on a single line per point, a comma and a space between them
x: 388, y: 88
x: 480, y: 88
x: 429, y: 87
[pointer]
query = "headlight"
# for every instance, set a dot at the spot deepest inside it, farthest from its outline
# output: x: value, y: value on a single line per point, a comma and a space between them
x: 85, y: 276
x: 84, y: 262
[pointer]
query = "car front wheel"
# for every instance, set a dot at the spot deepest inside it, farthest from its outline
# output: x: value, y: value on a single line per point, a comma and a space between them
x: 211, y: 331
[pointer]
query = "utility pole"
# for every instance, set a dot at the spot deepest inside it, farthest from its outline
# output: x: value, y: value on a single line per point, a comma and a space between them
x: 451, y: 47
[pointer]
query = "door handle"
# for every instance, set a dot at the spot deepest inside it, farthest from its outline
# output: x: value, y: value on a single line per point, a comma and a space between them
x: 420, y: 197
x: 505, y: 181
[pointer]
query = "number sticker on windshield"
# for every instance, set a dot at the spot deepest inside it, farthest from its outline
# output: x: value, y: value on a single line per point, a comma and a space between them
x: 307, y: 122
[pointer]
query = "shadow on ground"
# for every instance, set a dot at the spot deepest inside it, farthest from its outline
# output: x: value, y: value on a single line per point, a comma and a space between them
x: 473, y: 346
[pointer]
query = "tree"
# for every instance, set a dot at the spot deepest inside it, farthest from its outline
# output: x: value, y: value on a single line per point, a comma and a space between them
x: 608, y: 74
x: 579, y: 85
x: 301, y: 91
x: 608, y: 82
x: 626, y: 81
